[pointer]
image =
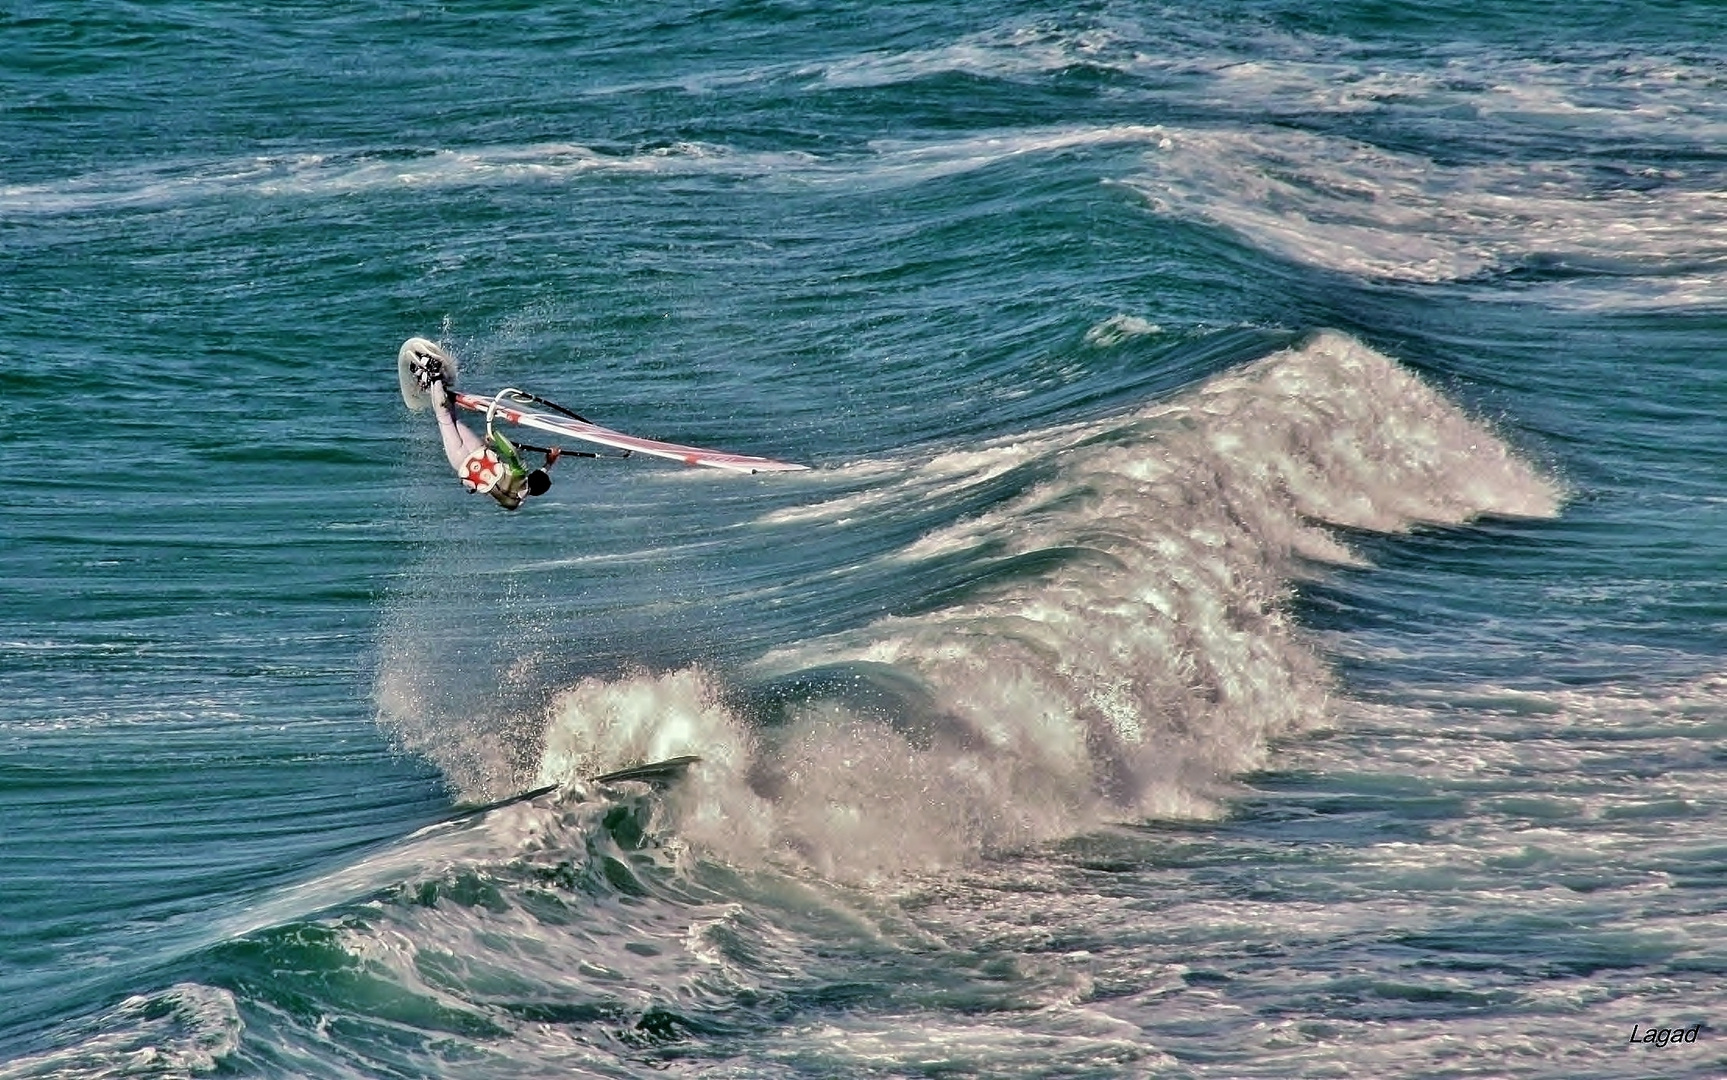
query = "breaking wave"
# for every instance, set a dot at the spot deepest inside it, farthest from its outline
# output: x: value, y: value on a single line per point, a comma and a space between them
x: 1112, y: 640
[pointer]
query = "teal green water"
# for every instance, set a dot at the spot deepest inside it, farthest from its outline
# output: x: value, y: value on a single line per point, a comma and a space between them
x: 1256, y: 608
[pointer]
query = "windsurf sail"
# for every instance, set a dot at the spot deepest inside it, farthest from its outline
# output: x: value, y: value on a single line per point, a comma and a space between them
x: 506, y: 406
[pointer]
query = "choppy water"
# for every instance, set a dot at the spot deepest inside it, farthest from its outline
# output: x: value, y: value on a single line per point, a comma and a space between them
x: 1257, y: 609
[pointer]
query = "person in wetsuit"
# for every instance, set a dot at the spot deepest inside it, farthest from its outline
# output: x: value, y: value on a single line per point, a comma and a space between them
x: 489, y: 466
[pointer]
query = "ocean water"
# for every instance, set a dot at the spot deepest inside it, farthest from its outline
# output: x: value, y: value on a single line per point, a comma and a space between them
x: 1256, y: 609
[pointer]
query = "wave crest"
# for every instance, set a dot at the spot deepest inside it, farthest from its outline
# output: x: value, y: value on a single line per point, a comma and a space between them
x: 1113, y: 640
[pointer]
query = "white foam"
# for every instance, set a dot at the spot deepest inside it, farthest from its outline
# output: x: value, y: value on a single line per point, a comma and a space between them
x: 888, y: 162
x: 1360, y: 210
x: 1130, y: 678
x: 1257, y: 71
x: 1317, y: 199
x: 321, y: 175
x: 1119, y: 328
x: 1351, y: 207
x: 999, y: 1043
x: 1006, y: 52
x: 184, y: 1030
x: 1320, y: 200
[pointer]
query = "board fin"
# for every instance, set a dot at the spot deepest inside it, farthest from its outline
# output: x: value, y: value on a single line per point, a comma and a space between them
x: 654, y: 772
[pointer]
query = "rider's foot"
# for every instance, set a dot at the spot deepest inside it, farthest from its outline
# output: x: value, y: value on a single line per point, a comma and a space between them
x: 428, y: 370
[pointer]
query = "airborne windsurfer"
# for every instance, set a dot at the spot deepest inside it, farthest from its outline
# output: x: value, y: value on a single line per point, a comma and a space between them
x: 491, y: 466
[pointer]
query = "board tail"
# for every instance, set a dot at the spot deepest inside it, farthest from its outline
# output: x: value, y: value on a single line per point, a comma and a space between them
x: 411, y: 362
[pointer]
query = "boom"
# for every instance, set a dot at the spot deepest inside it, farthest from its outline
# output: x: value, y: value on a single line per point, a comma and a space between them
x: 500, y: 409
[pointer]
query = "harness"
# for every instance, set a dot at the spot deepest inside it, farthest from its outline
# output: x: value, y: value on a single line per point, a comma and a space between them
x: 496, y: 469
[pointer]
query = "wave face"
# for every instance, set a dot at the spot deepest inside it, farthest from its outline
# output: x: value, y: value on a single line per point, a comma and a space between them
x: 1255, y: 610
x: 1112, y: 638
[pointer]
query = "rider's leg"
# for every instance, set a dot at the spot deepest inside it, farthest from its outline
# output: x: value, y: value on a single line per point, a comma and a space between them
x: 459, y: 442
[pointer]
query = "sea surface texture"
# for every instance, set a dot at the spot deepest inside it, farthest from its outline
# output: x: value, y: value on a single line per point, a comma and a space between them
x: 1256, y: 608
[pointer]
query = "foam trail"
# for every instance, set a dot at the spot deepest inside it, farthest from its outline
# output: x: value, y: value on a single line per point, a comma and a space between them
x: 1119, y: 643
x: 1317, y: 199
x: 1357, y: 209
x: 184, y: 1030
x: 326, y: 175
